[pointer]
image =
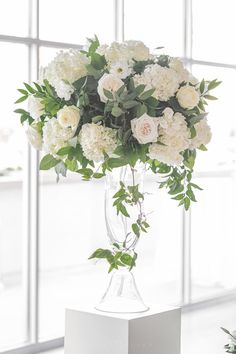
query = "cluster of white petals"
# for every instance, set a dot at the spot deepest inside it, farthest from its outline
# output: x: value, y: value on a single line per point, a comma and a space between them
x: 188, y: 97
x: 35, y: 107
x: 110, y: 83
x: 126, y: 51
x: 34, y: 136
x: 97, y: 140
x: 145, y: 129
x: 174, y: 138
x: 203, y: 134
x: 55, y: 136
x: 66, y: 68
x: 164, y: 80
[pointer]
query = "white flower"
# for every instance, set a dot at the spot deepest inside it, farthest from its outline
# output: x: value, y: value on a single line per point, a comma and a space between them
x: 145, y: 129
x: 34, y: 136
x: 95, y: 140
x: 55, y: 137
x: 188, y: 97
x: 64, y: 90
x: 35, y: 107
x: 203, y: 134
x: 138, y: 50
x: 164, y: 80
x: 165, y: 154
x: 66, y: 67
x: 120, y: 69
x: 109, y: 82
x: 178, y: 66
x: 102, y: 49
x: 174, y: 138
x: 69, y: 117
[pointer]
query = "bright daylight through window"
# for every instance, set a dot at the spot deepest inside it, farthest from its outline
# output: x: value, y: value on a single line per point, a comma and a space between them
x: 46, y: 232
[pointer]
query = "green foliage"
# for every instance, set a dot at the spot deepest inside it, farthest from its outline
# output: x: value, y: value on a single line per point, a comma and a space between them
x: 47, y: 162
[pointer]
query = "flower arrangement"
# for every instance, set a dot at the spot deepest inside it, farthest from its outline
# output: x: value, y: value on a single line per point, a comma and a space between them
x: 104, y: 107
x: 231, y: 347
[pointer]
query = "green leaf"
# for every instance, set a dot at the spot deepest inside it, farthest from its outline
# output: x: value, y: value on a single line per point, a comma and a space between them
x: 202, y: 86
x: 98, y: 175
x: 126, y: 259
x: 186, y: 203
x: 178, y: 197
x: 101, y: 253
x: 72, y: 165
x: 195, y: 186
x: 202, y: 147
x: 193, y: 132
x: 64, y: 150
x: 139, y: 89
x: 47, y: 162
x: 141, y: 109
x: 20, y: 111
x: 191, y: 195
x: 210, y: 97
x: 23, y: 92
x: 98, y: 61
x: 116, y: 111
x: 108, y: 94
x: 136, y: 229
x: 123, y: 210
x: 29, y: 88
x: 21, y: 99
x: 130, y: 104
x: 97, y: 119
x: 213, y: 84
x: 147, y: 94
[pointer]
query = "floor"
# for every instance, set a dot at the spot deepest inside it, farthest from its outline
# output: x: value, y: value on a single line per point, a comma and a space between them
x: 201, y: 332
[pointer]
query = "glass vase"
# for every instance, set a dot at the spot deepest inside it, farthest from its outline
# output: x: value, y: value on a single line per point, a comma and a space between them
x: 122, y: 295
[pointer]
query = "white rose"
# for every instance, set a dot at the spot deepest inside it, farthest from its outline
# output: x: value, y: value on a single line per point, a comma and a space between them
x: 109, y: 82
x: 188, y: 97
x: 34, y: 137
x: 69, y: 116
x: 145, y: 129
x: 120, y: 69
x: 168, y: 112
x: 203, y: 134
x: 35, y: 107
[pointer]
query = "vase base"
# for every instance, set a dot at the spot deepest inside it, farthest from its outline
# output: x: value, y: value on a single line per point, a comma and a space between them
x: 122, y: 295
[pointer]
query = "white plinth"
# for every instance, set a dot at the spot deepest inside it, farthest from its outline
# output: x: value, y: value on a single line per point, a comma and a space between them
x: 156, y: 331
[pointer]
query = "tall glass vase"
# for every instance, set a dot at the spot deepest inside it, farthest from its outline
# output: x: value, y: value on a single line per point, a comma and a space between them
x: 122, y: 295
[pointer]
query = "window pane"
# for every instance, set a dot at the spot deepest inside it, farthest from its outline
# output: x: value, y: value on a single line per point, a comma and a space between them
x: 214, y: 27
x: 76, y: 20
x: 157, y: 23
x: 213, y: 238
x: 14, y: 17
x: 222, y: 149
x: 12, y: 141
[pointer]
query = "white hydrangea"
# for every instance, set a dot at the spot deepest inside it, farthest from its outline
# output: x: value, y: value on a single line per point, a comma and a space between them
x: 174, y: 137
x: 55, y: 136
x: 126, y: 51
x: 66, y: 67
x: 35, y: 107
x: 165, y: 154
x: 138, y: 50
x: 95, y: 140
x: 120, y: 69
x: 109, y: 82
x: 203, y: 134
x: 34, y: 136
x: 188, y: 97
x: 164, y: 80
x: 183, y: 74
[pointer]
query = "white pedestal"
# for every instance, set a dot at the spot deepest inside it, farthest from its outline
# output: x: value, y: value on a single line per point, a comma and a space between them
x: 156, y: 331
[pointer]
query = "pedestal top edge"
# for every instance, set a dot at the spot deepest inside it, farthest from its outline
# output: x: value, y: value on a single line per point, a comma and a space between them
x: 154, y: 309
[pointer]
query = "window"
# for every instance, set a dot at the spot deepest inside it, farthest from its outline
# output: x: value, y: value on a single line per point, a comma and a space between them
x: 47, y: 230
